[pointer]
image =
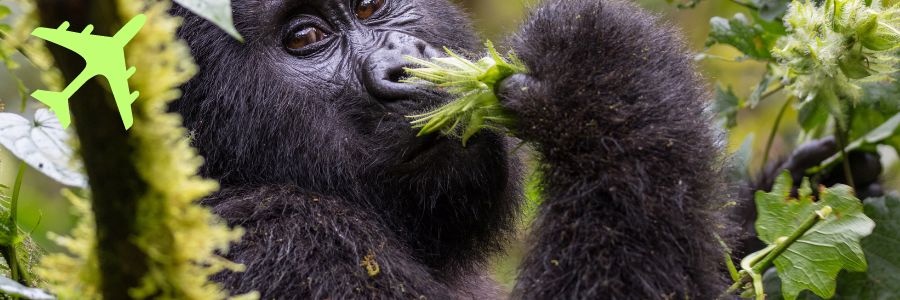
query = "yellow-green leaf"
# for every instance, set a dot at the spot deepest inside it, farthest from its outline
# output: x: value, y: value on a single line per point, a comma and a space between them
x: 833, y: 244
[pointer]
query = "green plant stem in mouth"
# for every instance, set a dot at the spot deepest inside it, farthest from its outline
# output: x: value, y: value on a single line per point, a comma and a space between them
x: 475, y: 106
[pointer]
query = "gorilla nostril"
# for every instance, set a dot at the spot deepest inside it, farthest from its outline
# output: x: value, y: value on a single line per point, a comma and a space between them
x: 397, y: 74
x: 422, y: 47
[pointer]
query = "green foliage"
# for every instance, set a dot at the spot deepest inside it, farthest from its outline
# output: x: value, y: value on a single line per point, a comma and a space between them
x: 750, y: 38
x: 880, y: 281
x: 16, y: 39
x: 771, y: 9
x: 216, y: 11
x: 813, y: 261
x: 830, y: 48
x: 472, y: 83
x: 881, y: 248
x: 889, y: 129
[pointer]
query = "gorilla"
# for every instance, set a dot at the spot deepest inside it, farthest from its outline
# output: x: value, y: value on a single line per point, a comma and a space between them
x: 304, y: 126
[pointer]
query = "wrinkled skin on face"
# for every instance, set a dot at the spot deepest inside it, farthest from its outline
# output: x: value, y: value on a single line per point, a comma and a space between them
x: 312, y: 100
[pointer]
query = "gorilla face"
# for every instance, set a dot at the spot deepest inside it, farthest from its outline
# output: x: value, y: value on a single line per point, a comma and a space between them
x: 313, y: 98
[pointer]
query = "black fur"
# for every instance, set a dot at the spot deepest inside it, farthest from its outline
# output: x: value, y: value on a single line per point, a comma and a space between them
x: 322, y: 169
x: 616, y: 111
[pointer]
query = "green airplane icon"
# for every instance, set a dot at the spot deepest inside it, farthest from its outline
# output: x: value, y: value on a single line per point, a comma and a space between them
x: 103, y: 55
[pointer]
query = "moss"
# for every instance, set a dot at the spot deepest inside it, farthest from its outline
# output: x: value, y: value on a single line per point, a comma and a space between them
x: 181, y: 239
x: 74, y: 275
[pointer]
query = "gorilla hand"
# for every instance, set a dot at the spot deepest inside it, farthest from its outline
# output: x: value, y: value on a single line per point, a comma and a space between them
x: 865, y: 167
x: 615, y: 110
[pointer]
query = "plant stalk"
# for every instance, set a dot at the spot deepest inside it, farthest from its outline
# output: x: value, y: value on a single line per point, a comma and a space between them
x: 774, y: 130
x: 840, y: 136
x: 759, y: 265
x: 770, y: 257
x: 16, y: 270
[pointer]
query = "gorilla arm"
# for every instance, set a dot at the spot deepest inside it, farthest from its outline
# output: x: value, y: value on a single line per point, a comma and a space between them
x: 630, y: 182
x: 299, y: 245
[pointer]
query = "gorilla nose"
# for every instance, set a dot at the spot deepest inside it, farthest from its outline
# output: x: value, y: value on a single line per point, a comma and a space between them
x: 384, y: 68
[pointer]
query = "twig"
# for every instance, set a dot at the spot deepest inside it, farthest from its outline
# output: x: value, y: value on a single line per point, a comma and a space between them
x: 840, y: 137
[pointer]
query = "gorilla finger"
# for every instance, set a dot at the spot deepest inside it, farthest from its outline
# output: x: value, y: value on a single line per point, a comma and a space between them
x: 865, y: 168
x: 515, y: 89
x: 809, y: 155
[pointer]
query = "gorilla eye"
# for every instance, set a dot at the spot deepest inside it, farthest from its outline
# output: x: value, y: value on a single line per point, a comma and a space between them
x: 367, y: 8
x: 304, y: 37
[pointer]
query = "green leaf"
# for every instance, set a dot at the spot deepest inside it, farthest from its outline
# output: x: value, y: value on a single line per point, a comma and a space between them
x: 815, y: 259
x: 771, y: 9
x: 216, y: 11
x: 13, y: 288
x: 761, y: 88
x: 854, y: 65
x: 888, y: 130
x: 772, y: 286
x: 812, y: 114
x: 740, y: 33
x: 42, y: 144
x: 882, y: 280
x: 883, y: 95
x: 4, y: 11
x: 865, y: 119
x: 5, y: 28
x: 727, y: 105
x: 875, y: 37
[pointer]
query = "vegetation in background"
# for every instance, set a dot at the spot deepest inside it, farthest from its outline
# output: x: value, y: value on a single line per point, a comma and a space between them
x: 837, y: 59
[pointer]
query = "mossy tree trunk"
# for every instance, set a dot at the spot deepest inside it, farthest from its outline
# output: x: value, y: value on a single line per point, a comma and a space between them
x: 114, y: 181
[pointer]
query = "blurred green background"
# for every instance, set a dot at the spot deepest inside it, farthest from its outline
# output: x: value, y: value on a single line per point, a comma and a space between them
x: 42, y: 209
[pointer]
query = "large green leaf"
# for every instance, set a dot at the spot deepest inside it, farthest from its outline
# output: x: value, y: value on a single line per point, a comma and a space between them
x: 815, y: 259
x: 216, y: 11
x: 742, y: 34
x: 882, y: 248
x: 13, y: 288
